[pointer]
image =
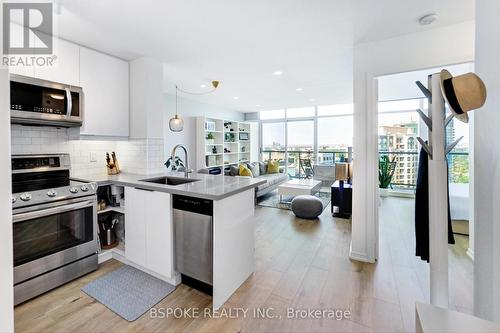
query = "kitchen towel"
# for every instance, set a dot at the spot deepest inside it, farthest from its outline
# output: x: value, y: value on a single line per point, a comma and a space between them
x: 128, y: 292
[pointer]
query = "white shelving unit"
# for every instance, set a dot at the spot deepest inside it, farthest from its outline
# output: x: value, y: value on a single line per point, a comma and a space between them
x: 221, y: 143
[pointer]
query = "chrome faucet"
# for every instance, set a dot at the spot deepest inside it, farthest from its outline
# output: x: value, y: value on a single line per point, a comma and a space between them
x: 186, y: 167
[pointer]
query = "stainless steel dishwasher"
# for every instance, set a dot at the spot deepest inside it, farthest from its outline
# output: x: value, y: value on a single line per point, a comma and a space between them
x: 193, y: 230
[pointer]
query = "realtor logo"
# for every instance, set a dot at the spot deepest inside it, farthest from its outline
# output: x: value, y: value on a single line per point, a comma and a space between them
x: 27, y: 28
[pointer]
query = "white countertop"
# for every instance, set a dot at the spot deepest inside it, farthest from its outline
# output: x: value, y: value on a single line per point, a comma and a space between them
x: 212, y: 187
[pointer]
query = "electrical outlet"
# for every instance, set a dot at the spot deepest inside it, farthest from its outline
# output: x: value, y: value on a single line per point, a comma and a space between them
x: 93, y: 157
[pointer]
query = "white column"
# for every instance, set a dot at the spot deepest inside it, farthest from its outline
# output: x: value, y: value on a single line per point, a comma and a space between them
x: 470, y: 250
x: 487, y: 165
x: 438, y: 196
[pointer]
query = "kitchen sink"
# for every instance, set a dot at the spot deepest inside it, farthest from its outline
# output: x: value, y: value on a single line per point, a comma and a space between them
x: 170, y: 180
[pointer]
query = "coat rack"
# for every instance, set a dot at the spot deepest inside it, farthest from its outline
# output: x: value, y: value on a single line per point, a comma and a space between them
x: 436, y: 121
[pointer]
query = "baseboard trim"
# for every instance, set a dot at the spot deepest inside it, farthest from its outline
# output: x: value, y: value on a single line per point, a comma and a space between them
x: 470, y: 253
x: 358, y: 256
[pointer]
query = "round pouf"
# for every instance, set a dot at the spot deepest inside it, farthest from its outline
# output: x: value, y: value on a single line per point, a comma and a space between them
x: 307, y: 206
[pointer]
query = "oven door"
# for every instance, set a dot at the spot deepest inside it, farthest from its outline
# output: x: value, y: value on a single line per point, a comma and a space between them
x: 52, y: 235
x: 35, y: 101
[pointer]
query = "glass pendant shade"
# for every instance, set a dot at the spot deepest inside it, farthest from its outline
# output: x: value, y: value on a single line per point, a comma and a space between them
x: 176, y: 124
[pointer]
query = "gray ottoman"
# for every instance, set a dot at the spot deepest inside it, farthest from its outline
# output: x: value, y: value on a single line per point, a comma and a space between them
x: 307, y: 206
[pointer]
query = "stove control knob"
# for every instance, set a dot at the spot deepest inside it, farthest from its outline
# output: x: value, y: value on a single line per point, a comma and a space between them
x: 14, y: 199
x: 25, y: 197
x: 84, y: 188
x: 73, y: 190
x: 51, y: 193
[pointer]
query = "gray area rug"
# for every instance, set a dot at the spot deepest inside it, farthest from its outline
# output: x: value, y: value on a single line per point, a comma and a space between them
x: 272, y: 199
x: 128, y: 292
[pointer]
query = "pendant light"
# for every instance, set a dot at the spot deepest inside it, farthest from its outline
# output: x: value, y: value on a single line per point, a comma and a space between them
x: 176, y: 123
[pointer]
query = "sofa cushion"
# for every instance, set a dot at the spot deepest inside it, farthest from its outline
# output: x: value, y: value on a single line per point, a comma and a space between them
x: 254, y: 168
x: 272, y: 179
x: 262, y: 168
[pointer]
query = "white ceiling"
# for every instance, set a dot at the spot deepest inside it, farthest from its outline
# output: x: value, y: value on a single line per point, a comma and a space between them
x: 241, y: 43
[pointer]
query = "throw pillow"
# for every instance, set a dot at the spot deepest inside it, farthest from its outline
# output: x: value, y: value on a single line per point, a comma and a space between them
x: 273, y: 166
x: 233, y: 170
x: 262, y: 168
x: 254, y: 167
x: 244, y: 171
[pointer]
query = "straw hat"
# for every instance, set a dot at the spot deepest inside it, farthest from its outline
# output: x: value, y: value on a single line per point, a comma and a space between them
x: 463, y: 93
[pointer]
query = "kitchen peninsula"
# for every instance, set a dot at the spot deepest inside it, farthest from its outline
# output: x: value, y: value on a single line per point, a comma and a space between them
x: 149, y: 224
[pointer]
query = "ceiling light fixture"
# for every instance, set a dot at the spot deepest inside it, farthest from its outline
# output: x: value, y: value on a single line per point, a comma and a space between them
x: 176, y: 124
x: 428, y: 19
x: 277, y: 73
x: 257, y: 105
x: 203, y: 85
x: 235, y: 97
x: 312, y: 99
x: 299, y: 89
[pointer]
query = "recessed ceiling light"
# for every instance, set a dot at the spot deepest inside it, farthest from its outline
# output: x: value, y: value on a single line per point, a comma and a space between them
x: 277, y: 73
x: 235, y: 97
x: 312, y: 99
x: 428, y: 19
x: 257, y: 105
x: 203, y: 85
x: 299, y: 89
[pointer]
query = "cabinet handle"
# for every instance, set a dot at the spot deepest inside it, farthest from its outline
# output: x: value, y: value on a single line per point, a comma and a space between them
x: 143, y: 189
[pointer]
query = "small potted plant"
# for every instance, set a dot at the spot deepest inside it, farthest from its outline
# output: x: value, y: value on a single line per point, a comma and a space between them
x: 174, y: 164
x: 386, y: 169
x: 210, y: 138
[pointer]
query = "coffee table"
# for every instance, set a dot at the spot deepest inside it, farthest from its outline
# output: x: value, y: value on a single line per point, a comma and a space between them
x: 296, y: 187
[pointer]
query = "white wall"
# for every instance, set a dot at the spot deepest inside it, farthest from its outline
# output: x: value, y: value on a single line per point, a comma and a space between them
x: 487, y: 165
x: 189, y: 110
x: 427, y: 49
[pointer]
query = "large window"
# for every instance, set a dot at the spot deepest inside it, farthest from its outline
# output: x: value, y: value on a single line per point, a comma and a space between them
x: 314, y: 135
x: 400, y: 125
x: 300, y: 148
x: 274, y: 142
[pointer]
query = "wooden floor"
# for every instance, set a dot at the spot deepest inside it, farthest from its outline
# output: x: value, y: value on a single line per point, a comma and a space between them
x: 299, y: 264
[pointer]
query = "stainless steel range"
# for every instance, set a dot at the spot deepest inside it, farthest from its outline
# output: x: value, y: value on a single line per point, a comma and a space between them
x: 54, y: 224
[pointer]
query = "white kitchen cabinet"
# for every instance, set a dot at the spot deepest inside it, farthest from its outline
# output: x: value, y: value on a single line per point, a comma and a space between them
x: 105, y: 83
x: 149, y: 230
x: 135, y: 226
x: 66, y: 65
x: 17, y: 36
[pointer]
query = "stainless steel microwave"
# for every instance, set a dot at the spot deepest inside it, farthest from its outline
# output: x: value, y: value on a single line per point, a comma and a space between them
x: 40, y: 102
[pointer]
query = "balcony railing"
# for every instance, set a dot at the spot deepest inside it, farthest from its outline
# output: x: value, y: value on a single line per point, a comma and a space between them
x: 300, y: 162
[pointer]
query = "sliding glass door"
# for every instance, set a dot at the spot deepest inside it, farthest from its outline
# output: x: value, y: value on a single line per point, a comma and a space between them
x: 300, y: 148
x: 274, y: 142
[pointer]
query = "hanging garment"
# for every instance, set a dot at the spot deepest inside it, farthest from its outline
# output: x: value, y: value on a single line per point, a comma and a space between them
x: 422, y: 209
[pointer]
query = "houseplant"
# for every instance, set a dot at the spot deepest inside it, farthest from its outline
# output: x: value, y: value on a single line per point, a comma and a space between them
x: 386, y: 168
x: 174, y: 164
x: 210, y: 138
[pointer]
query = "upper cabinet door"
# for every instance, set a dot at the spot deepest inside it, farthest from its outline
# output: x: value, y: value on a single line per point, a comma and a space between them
x: 105, y: 83
x: 65, y: 63
x: 17, y: 36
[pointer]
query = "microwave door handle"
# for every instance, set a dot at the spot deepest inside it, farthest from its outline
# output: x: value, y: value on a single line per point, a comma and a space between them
x: 50, y: 211
x: 70, y: 102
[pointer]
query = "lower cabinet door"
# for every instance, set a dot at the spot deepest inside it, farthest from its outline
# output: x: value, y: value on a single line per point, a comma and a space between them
x: 159, y: 233
x: 135, y: 225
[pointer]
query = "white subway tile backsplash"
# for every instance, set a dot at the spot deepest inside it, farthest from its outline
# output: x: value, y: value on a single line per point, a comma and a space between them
x: 135, y: 156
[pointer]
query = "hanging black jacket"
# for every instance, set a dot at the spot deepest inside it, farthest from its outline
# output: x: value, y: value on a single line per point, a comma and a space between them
x: 422, y: 209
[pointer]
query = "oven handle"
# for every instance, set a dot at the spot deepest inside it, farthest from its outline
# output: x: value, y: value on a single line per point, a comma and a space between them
x: 70, y: 102
x: 50, y: 211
